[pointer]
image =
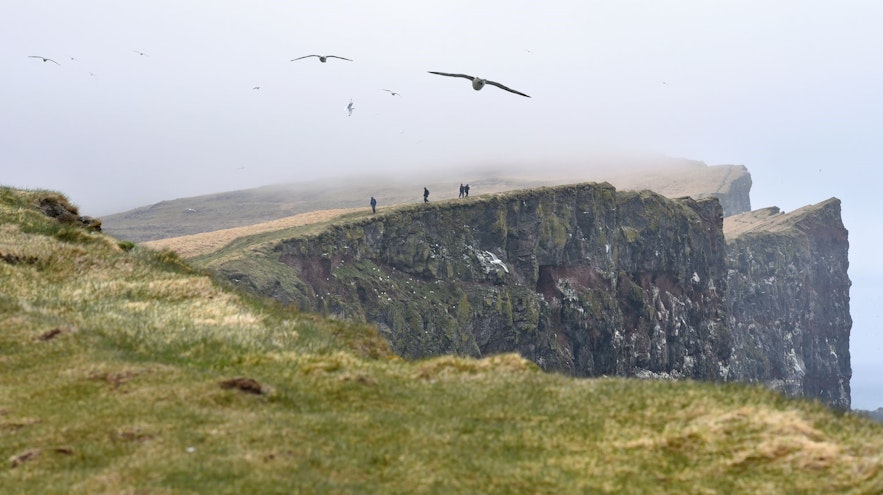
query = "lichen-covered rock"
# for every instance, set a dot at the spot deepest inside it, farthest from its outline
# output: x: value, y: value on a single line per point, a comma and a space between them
x: 789, y: 295
x: 581, y: 279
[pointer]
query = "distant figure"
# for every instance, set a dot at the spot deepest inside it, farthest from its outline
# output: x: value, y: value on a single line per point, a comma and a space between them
x: 393, y: 93
x: 373, y: 205
x: 466, y: 190
x: 462, y: 191
x: 425, y: 195
x: 349, y: 108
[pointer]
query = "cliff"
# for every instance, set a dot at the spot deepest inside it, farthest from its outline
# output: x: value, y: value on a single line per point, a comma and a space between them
x: 581, y: 279
x: 789, y: 300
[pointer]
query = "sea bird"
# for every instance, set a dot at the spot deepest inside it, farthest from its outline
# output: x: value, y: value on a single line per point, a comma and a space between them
x: 140, y: 53
x: 478, y: 83
x: 322, y: 58
x: 393, y: 93
x: 44, y: 59
x: 349, y: 108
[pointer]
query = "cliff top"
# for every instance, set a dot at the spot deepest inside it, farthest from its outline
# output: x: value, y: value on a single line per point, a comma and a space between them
x: 773, y: 220
x: 693, y: 179
x: 185, y: 216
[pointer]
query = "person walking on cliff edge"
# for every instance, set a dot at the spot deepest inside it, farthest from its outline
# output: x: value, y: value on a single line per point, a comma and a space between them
x: 425, y: 195
x: 373, y: 205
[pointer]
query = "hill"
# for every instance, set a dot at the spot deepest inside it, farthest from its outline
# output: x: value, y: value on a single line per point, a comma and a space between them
x: 187, y: 216
x: 126, y: 371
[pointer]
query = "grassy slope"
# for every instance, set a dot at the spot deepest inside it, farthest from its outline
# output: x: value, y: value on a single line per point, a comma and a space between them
x: 125, y: 397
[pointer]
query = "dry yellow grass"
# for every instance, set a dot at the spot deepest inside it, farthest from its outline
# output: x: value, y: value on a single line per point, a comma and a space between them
x: 189, y: 246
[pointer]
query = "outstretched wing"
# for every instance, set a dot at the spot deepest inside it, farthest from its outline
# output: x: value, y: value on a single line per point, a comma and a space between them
x: 305, y: 56
x: 492, y: 83
x: 44, y: 59
x: 464, y: 76
x: 335, y: 56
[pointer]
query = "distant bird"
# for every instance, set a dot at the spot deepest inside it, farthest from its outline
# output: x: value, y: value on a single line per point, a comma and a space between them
x: 393, y: 93
x: 349, y: 108
x: 478, y: 83
x: 256, y: 87
x: 140, y: 53
x: 44, y: 59
x: 322, y: 58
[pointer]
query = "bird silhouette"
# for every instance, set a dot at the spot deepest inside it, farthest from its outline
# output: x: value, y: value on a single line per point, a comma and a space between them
x: 478, y: 83
x: 140, y: 53
x: 393, y: 93
x: 256, y: 87
x: 44, y: 59
x: 322, y: 58
x: 349, y: 108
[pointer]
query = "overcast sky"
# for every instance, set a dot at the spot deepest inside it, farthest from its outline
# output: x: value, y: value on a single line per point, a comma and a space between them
x: 790, y: 89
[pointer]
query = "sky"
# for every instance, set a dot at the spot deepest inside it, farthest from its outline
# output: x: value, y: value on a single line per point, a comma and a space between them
x: 790, y: 89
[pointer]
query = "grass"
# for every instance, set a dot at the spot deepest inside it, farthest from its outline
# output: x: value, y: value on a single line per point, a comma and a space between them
x: 112, y: 363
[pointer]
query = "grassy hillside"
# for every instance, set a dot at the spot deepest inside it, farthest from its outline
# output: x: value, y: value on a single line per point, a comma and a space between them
x: 122, y: 370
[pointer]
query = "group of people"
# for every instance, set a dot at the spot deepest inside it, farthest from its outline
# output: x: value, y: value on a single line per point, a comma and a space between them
x: 464, y: 193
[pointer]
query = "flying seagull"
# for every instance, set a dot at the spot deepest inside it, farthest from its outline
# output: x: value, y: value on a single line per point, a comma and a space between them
x: 478, y: 83
x: 44, y: 59
x: 349, y: 108
x: 140, y: 53
x: 322, y: 58
x: 256, y: 87
x: 393, y: 93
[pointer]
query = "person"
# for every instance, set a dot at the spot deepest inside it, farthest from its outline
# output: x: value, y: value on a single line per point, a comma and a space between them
x: 461, y: 190
x: 425, y: 195
x: 373, y: 205
x: 466, y: 190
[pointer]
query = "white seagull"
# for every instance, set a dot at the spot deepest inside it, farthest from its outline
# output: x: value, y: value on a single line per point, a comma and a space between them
x: 322, y: 58
x: 44, y: 59
x: 349, y: 108
x: 140, y: 53
x: 393, y: 93
x: 478, y: 83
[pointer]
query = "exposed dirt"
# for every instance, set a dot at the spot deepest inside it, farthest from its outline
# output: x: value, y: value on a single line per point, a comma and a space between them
x: 247, y: 385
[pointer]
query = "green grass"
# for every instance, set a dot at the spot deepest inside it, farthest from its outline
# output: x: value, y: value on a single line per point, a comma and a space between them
x: 111, y: 362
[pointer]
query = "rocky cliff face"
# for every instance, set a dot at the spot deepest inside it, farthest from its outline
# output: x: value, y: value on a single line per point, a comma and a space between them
x: 581, y: 279
x: 789, y: 300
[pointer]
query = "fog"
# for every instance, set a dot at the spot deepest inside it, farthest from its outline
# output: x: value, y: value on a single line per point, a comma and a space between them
x: 791, y: 89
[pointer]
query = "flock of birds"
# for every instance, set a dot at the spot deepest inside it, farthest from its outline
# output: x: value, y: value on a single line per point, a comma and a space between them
x: 477, y: 82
